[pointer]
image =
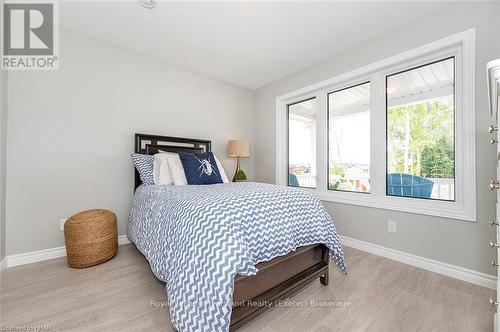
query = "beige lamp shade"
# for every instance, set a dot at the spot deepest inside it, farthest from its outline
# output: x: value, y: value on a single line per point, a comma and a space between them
x: 238, y: 148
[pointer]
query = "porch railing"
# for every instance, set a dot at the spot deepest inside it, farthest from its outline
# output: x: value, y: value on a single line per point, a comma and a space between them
x: 442, y: 188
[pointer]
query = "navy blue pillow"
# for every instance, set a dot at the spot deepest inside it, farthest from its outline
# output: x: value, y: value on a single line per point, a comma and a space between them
x: 200, y: 168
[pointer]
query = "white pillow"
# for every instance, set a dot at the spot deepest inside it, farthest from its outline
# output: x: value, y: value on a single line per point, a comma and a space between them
x: 221, y: 170
x: 176, y: 169
x: 161, y: 171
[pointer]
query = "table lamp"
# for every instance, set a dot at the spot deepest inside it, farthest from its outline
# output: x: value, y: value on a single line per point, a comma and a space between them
x: 238, y: 148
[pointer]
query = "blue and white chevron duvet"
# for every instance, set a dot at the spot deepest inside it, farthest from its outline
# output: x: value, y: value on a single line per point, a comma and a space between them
x: 198, y: 238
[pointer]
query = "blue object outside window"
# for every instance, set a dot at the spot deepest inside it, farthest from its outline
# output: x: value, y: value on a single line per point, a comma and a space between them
x: 407, y: 185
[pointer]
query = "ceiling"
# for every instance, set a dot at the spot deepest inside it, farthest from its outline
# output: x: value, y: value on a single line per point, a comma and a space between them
x: 248, y: 43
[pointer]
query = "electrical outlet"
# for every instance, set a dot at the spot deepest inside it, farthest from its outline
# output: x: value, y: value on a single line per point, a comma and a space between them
x: 391, y: 226
x: 63, y: 221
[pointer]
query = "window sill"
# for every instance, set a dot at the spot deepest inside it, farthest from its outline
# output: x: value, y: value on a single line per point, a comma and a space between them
x: 444, y: 209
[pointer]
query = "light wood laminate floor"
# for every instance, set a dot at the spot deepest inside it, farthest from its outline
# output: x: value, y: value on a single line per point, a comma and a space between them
x: 123, y: 295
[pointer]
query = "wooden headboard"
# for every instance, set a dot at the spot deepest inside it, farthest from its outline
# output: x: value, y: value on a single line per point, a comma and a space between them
x: 150, y: 144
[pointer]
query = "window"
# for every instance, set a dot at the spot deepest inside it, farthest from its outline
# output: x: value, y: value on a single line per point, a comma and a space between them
x: 302, y: 144
x: 397, y: 134
x: 420, y: 132
x: 349, y: 139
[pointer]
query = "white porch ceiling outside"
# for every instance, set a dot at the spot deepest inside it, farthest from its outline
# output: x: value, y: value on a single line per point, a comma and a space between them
x: 424, y: 83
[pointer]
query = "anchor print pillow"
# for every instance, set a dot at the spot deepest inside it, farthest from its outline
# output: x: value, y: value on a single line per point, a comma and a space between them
x: 200, y: 168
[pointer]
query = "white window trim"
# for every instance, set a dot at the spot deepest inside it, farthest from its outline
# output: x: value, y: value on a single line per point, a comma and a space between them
x: 460, y: 45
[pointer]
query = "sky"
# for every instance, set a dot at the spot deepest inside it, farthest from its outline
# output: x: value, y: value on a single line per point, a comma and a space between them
x: 353, y: 131
x: 352, y: 134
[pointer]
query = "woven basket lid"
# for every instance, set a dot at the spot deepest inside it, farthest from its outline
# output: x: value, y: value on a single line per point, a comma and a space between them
x: 94, y: 215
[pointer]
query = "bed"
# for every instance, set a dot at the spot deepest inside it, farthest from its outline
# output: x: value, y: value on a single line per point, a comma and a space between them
x: 227, y: 252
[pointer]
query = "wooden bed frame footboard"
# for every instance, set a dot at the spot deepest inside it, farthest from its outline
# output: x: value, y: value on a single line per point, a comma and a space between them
x: 276, y: 280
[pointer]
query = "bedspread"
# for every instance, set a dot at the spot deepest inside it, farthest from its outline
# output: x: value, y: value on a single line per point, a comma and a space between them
x: 198, y: 238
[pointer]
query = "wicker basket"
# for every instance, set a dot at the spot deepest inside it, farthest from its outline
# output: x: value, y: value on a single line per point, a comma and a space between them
x: 91, y: 238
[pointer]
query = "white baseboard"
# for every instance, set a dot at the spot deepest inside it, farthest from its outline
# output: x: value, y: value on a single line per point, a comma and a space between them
x: 35, y: 256
x: 43, y: 255
x: 457, y: 272
x: 123, y: 239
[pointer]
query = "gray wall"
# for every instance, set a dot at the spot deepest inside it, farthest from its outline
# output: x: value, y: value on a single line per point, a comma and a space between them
x: 70, y: 132
x: 456, y: 242
x: 3, y: 150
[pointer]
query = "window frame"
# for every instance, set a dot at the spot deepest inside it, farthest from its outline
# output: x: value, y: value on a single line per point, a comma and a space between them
x: 454, y: 124
x: 461, y: 46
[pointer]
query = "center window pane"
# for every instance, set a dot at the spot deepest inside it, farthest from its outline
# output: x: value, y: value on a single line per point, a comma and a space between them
x: 420, y: 132
x: 349, y: 139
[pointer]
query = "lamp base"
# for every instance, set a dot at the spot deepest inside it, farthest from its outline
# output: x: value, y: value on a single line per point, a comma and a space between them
x: 239, y: 175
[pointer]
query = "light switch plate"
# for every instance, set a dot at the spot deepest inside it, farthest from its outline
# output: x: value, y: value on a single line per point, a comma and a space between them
x: 391, y: 226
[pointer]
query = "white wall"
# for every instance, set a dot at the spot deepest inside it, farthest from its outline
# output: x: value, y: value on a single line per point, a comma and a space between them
x: 70, y: 132
x: 3, y: 150
x: 456, y: 242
